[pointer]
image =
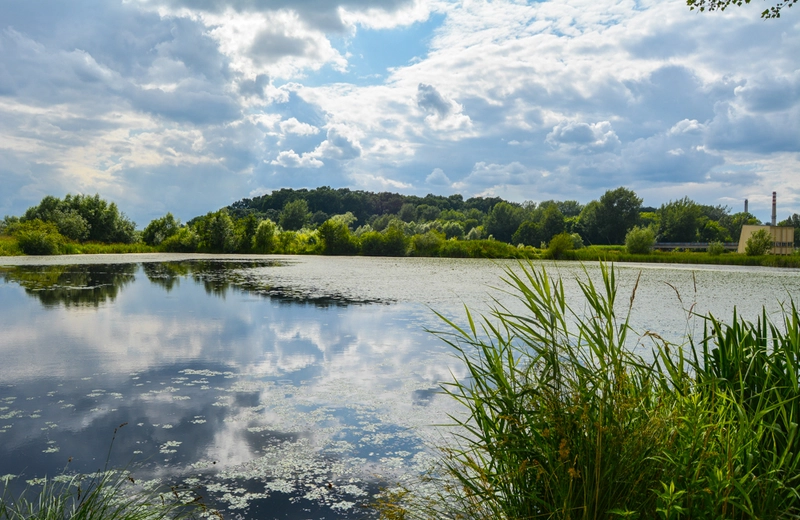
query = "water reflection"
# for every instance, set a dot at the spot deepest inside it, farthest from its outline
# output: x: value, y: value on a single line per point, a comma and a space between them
x: 71, y: 286
x: 274, y: 408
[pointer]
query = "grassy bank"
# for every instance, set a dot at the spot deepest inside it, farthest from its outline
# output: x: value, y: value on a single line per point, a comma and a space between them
x: 619, y: 254
x: 565, y: 421
x: 298, y: 243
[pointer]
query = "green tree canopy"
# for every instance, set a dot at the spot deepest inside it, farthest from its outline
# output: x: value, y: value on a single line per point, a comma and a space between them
x: 503, y: 220
x: 679, y: 220
x: 295, y: 215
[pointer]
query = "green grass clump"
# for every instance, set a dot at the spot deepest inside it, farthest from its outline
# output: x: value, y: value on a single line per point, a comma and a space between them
x: 565, y: 420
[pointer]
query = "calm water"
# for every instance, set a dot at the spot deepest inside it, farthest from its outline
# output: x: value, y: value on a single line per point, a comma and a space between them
x: 281, y: 388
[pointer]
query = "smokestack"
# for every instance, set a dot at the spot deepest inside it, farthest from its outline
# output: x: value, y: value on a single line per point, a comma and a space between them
x: 774, y: 209
x: 745, y: 205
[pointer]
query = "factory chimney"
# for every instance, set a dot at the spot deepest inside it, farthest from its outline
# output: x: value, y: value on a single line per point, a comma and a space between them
x: 745, y: 205
x: 774, y: 209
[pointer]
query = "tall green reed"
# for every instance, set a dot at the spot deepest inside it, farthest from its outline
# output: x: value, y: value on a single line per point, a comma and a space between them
x: 565, y: 420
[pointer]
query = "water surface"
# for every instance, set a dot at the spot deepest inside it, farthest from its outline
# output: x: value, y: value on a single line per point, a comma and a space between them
x: 280, y: 387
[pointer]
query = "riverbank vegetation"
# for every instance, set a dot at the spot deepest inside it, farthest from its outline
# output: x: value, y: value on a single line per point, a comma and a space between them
x: 345, y: 222
x: 567, y: 418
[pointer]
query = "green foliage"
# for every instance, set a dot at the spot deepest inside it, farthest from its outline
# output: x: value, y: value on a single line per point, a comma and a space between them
x: 160, y: 229
x: 735, y: 222
x: 427, y: 244
x: 9, y: 246
x: 608, y: 220
x: 35, y: 237
x: 528, y: 233
x: 337, y: 238
x: 407, y: 213
x: 713, y: 231
x: 759, y: 243
x: 184, y: 240
x: 559, y: 245
x: 83, y: 217
x: 453, y: 230
x: 503, y: 220
x: 295, y: 215
x: 393, y: 242
x: 564, y: 419
x: 679, y: 220
x: 264, y: 241
x: 640, y: 241
x: 715, y: 248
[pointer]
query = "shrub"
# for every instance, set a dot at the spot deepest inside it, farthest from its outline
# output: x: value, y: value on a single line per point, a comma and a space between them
x: 559, y: 245
x: 639, y: 240
x: 759, y: 243
x: 716, y: 248
x: 427, y: 244
x: 38, y: 238
x: 185, y: 240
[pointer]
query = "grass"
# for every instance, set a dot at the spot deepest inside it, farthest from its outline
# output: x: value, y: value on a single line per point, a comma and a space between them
x: 564, y: 420
x: 105, y: 495
x: 618, y: 254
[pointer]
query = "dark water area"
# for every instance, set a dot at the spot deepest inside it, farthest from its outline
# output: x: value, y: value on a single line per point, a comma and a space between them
x: 275, y: 387
x: 273, y: 403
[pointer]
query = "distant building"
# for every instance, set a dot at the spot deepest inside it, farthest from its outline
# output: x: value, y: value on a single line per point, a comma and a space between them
x: 782, y: 238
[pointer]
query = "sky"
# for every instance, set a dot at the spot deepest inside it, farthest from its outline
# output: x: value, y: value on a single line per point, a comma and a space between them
x: 189, y: 105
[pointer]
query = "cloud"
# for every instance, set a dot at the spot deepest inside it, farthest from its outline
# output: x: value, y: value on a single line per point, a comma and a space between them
x: 437, y: 178
x: 583, y: 136
x: 289, y: 159
x: 444, y: 114
x: 293, y: 126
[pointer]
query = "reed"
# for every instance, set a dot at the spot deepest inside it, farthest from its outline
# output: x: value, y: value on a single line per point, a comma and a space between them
x: 565, y: 420
x: 106, y: 495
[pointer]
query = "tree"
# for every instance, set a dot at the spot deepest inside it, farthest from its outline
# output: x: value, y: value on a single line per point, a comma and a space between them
x: 337, y: 238
x: 160, y: 229
x: 640, y: 240
x: 721, y: 5
x: 264, y: 241
x: 608, y: 220
x: 295, y: 214
x: 503, y: 220
x: 679, y: 220
x: 759, y: 243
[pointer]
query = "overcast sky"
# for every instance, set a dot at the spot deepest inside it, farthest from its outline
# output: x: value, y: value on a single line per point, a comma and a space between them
x: 188, y: 105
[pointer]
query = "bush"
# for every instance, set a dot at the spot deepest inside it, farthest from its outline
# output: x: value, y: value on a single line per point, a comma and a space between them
x: 716, y: 248
x: 759, y: 243
x: 185, y: 240
x: 559, y: 245
x: 38, y: 238
x: 427, y: 244
x: 639, y: 240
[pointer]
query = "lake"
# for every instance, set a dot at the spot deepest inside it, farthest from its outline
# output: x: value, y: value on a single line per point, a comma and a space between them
x: 279, y: 387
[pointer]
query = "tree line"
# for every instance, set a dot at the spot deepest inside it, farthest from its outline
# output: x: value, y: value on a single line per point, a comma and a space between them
x: 343, y: 221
